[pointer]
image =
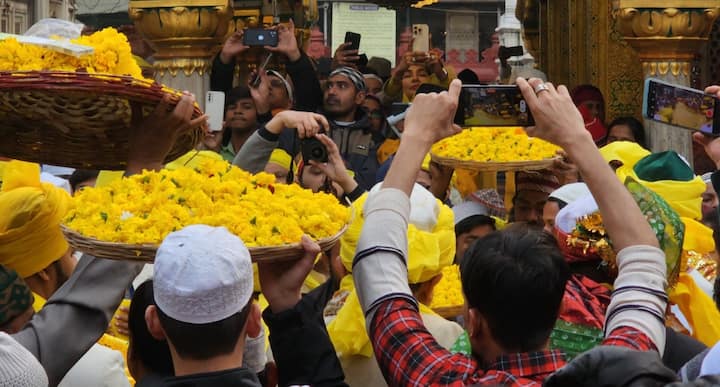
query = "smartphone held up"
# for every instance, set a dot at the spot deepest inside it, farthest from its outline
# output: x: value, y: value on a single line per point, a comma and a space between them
x: 681, y: 106
x: 492, y: 105
x: 215, y: 109
x: 260, y: 37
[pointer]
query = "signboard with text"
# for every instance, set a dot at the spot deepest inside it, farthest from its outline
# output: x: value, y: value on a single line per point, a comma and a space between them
x: 374, y: 23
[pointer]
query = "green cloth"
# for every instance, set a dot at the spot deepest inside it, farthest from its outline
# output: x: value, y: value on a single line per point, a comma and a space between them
x: 228, y: 152
x: 15, y: 296
x: 665, y: 222
x: 666, y: 165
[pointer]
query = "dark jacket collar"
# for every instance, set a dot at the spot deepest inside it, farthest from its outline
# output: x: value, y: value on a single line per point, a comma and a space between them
x: 237, y: 377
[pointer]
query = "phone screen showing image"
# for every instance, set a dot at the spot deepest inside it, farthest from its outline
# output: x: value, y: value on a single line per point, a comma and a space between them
x: 680, y: 106
x: 492, y: 105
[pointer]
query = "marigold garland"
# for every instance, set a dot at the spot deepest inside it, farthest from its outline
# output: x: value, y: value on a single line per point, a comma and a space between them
x: 494, y: 145
x: 112, y: 55
x: 145, y: 208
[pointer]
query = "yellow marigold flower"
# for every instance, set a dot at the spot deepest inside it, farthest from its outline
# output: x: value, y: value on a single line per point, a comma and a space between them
x: 448, y: 292
x: 112, y: 55
x: 145, y: 208
x: 494, y: 145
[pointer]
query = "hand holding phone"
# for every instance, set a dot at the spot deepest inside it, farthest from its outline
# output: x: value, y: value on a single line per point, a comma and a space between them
x: 215, y: 109
x: 354, y: 40
x: 681, y: 106
x: 260, y: 37
x: 492, y: 105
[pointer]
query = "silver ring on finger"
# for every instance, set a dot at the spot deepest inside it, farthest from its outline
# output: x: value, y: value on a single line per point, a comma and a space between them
x: 540, y: 88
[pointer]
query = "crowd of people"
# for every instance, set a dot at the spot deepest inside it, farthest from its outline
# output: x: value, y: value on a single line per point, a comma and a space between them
x: 636, y: 304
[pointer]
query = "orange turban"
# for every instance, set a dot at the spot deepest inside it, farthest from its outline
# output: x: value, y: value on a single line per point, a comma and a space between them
x: 30, y: 217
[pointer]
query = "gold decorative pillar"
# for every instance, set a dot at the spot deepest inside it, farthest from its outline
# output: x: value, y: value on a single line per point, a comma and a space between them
x: 666, y: 40
x: 185, y: 35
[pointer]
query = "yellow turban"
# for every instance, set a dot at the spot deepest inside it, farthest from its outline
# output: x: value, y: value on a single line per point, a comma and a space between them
x: 30, y: 217
x: 281, y: 158
x: 428, y: 253
x: 685, y: 197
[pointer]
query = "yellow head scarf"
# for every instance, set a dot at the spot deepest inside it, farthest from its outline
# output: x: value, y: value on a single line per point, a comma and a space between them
x: 429, y: 252
x: 281, y: 158
x: 192, y: 159
x: 30, y: 217
x: 685, y: 197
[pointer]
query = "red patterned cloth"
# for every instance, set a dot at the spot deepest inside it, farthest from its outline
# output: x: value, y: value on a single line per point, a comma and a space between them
x: 408, y: 355
x: 585, y: 302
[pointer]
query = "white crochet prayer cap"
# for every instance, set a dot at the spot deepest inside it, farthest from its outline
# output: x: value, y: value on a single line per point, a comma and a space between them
x: 467, y: 209
x: 18, y: 367
x: 203, y: 274
x: 571, y: 192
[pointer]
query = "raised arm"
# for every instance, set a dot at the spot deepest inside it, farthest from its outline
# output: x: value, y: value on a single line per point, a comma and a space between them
x: 406, y: 352
x: 639, y: 300
x: 78, y: 313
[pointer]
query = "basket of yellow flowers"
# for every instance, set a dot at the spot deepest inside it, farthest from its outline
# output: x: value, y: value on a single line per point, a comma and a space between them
x: 448, y: 300
x: 70, y: 102
x: 128, y: 218
x: 494, y: 149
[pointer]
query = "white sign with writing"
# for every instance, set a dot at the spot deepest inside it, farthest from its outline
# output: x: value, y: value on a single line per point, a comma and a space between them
x: 376, y: 25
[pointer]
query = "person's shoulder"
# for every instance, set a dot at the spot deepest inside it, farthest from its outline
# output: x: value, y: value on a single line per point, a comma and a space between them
x: 100, y: 366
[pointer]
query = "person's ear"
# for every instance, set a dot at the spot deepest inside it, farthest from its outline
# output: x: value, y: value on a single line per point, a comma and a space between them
x: 43, y: 274
x: 253, y: 326
x: 152, y: 320
x: 360, y: 98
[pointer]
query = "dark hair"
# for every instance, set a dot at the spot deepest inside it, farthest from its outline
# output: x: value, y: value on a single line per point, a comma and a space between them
x: 636, y: 127
x: 205, y: 341
x: 516, y: 279
x: 561, y: 203
x: 152, y: 353
x: 236, y: 94
x: 80, y: 175
x: 466, y: 225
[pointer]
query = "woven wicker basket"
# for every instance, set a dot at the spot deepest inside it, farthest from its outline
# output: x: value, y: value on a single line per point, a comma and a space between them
x: 146, y: 252
x: 493, y: 166
x: 449, y: 311
x: 75, y: 119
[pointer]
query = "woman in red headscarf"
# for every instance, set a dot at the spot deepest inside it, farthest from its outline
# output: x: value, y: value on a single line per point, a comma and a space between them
x: 591, y: 104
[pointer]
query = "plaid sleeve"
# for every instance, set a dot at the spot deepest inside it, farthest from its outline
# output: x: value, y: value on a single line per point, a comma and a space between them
x: 629, y: 337
x: 407, y: 353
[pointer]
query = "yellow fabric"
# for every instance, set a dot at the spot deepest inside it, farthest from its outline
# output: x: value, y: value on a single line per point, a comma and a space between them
x: 698, y: 308
x: 263, y: 304
x: 387, y: 149
x: 30, y: 217
x: 624, y: 151
x: 193, y: 159
x: 107, y: 177
x: 347, y: 331
x: 38, y: 303
x: 466, y: 181
x: 425, y: 166
x: 281, y: 158
x: 428, y: 252
x: 698, y: 237
x: 685, y: 197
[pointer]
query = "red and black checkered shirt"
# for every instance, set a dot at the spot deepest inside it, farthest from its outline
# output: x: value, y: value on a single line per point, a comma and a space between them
x: 408, y: 355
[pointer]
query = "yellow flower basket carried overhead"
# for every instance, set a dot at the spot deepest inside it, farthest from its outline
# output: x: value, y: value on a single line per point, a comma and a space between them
x: 129, y: 218
x: 494, y: 149
x: 69, y: 103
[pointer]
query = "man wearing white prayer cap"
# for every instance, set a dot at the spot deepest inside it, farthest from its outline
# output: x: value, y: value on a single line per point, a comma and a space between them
x: 203, y: 285
x: 560, y: 198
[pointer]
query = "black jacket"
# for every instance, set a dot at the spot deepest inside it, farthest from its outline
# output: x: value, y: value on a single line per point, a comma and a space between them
x: 238, y: 377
